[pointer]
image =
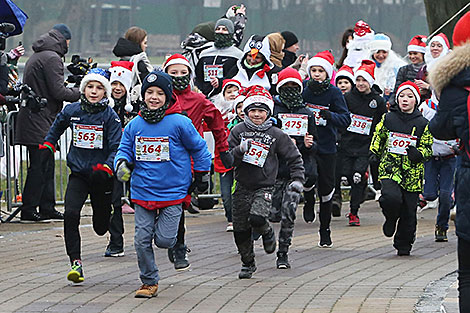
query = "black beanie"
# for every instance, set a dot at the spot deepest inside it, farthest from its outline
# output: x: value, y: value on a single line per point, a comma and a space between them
x: 290, y: 37
x: 159, y: 79
x: 64, y: 30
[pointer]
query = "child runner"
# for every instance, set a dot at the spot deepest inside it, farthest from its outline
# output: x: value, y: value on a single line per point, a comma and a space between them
x: 299, y: 123
x: 402, y: 142
x: 96, y: 130
x: 257, y: 148
x: 331, y: 114
x: 156, y: 152
x: 366, y: 107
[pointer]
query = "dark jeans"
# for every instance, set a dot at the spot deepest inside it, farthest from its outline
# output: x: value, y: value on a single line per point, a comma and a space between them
x: 463, y: 247
x: 116, y: 224
x: 439, y: 182
x: 352, y: 165
x: 226, y: 183
x: 39, y: 186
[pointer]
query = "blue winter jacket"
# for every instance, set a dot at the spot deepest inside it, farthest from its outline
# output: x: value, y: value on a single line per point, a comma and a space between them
x: 340, y: 118
x: 164, y: 180
x: 81, y: 160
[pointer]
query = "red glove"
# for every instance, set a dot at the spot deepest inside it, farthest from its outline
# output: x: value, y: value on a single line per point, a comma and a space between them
x: 47, y: 145
x: 103, y: 167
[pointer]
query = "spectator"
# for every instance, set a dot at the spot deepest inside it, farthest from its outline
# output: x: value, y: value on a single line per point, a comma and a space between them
x: 290, y: 48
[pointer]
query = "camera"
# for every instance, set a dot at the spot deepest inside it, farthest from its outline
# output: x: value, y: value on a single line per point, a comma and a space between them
x: 23, y: 96
x: 79, y: 67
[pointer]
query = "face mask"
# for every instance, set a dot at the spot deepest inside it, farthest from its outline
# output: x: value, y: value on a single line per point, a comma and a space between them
x: 248, y: 66
x: 291, y: 97
x: 92, y: 108
x: 317, y: 87
x: 223, y: 40
x: 153, y: 116
x: 181, y: 82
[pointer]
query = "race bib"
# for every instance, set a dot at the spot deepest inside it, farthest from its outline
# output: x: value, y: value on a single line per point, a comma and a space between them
x: 257, y: 154
x: 360, y: 124
x: 294, y: 124
x: 211, y: 71
x: 319, y: 121
x: 397, y: 142
x: 88, y: 136
x: 152, y: 149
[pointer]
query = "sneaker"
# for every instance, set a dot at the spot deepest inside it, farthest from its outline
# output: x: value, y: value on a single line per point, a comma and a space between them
x: 229, y: 227
x: 113, y: 253
x: 378, y: 193
x: 440, y: 234
x: 325, y: 239
x: 147, y: 291
x: 353, y: 220
x: 33, y: 218
x: 191, y: 209
x: 336, y: 208
x: 76, y: 273
x: 403, y: 252
x: 171, y: 255
x: 453, y: 213
x: 247, y: 271
x: 54, y: 215
x: 180, y: 257
x: 309, y: 214
x: 269, y: 242
x: 127, y: 209
x: 389, y: 227
x: 282, y: 261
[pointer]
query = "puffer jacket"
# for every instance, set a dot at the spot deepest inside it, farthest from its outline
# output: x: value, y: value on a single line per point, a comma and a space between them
x: 398, y: 167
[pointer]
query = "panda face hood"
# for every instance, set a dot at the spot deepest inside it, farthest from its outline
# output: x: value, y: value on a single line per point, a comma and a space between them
x: 259, y: 44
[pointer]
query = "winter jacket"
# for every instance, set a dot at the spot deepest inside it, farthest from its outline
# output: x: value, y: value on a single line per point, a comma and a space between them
x: 166, y: 180
x: 128, y: 50
x: 125, y: 116
x: 405, y: 73
x: 308, y: 154
x: 370, y: 105
x: 397, y: 166
x: 332, y: 99
x: 280, y: 148
x: 200, y: 110
x: 226, y: 58
x: 44, y: 73
x: 79, y: 158
x: 448, y: 78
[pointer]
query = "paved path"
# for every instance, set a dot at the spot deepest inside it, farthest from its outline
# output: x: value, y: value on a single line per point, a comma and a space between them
x: 361, y: 273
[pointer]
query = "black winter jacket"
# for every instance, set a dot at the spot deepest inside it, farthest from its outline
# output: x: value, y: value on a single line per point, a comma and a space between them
x: 405, y: 73
x: 44, y: 73
x: 125, y: 49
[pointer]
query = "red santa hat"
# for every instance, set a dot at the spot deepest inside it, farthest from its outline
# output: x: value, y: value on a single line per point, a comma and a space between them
x: 230, y: 82
x: 462, y: 30
x: 121, y: 71
x: 413, y: 87
x: 289, y: 75
x: 442, y: 39
x: 361, y: 29
x: 366, y: 70
x: 345, y: 72
x: 176, y: 59
x: 417, y: 44
x: 324, y: 59
x: 257, y: 98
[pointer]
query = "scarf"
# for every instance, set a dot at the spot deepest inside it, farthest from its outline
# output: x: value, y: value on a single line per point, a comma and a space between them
x: 291, y: 97
x: 250, y: 67
x: 260, y: 128
x: 223, y: 40
x: 153, y: 116
x: 93, y: 108
x: 181, y: 82
x: 318, y: 87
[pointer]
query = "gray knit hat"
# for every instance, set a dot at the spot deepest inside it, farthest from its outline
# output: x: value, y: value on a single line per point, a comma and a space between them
x: 227, y: 23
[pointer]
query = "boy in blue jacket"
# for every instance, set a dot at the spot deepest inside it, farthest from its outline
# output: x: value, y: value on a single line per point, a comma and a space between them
x: 156, y: 148
x: 96, y: 130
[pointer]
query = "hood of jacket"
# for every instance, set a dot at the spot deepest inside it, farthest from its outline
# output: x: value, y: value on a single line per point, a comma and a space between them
x: 51, y: 41
x: 453, y: 68
x: 262, y: 45
x: 126, y: 48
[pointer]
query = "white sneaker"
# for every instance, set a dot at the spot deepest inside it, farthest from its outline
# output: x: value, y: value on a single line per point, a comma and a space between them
x: 229, y: 227
x: 453, y: 213
x: 378, y: 193
x: 429, y: 205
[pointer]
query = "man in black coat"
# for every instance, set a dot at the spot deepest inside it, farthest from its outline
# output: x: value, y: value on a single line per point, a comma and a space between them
x: 44, y: 73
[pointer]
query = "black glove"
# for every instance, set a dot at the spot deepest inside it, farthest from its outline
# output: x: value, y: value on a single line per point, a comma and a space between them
x: 227, y: 159
x: 373, y: 158
x: 414, y: 155
x: 200, y: 183
x: 325, y: 114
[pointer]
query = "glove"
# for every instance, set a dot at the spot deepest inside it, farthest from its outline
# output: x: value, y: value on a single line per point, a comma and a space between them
x: 103, y: 168
x: 47, y: 145
x: 124, y: 170
x: 373, y: 158
x: 296, y: 186
x: 227, y: 159
x: 414, y: 155
x: 16, y: 53
x: 245, y: 145
x: 101, y: 179
x: 325, y: 114
x: 276, y: 122
x: 200, y: 183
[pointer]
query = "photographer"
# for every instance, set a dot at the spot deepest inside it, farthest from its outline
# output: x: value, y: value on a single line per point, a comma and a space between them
x: 44, y: 73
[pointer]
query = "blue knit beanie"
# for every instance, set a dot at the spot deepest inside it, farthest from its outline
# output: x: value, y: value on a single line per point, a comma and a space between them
x: 64, y: 30
x: 159, y: 79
